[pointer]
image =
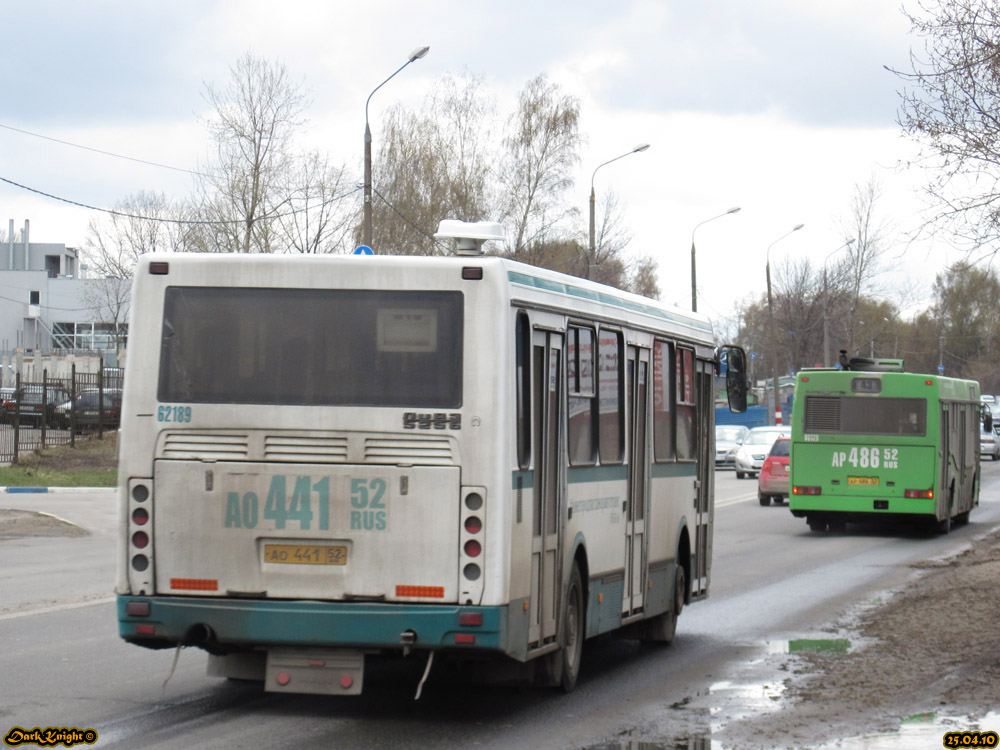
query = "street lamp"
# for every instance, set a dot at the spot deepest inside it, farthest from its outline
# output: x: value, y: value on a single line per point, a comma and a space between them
x: 593, y: 247
x: 366, y: 230
x: 826, y: 320
x: 774, y: 334
x: 694, y: 275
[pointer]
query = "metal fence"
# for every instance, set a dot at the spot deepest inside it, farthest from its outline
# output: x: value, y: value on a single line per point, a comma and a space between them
x: 55, y: 411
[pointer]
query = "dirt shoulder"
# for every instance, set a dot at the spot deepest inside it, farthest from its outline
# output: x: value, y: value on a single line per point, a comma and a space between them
x: 933, y: 647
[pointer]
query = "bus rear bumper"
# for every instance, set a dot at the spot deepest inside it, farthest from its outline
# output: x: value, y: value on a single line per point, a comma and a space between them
x: 859, y: 507
x: 227, y: 625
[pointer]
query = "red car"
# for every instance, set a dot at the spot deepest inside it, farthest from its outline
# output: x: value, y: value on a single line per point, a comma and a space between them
x: 773, y: 480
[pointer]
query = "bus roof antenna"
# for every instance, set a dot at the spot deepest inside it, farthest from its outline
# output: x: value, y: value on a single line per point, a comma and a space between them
x: 469, y: 236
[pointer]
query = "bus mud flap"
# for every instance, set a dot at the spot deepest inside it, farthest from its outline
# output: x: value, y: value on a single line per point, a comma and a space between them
x: 323, y: 671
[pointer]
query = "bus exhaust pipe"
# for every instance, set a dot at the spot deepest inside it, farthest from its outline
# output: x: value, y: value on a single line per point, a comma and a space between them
x: 199, y: 634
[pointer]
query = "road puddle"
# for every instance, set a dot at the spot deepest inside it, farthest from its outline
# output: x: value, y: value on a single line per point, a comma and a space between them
x: 679, y: 743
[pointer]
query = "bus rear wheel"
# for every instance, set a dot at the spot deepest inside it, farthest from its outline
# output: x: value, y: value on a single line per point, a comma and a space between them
x: 573, y: 631
x: 661, y: 629
x: 816, y: 523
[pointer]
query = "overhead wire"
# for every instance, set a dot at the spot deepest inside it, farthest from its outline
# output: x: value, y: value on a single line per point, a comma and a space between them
x: 167, y: 220
x: 101, y: 151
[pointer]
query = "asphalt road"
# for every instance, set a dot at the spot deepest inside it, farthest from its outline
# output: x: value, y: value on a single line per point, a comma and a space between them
x: 62, y: 663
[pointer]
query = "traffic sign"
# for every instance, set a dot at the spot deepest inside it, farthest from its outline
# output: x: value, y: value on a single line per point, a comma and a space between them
x: 363, y: 250
x: 940, y: 369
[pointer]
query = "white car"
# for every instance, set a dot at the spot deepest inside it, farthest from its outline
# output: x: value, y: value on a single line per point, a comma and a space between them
x: 750, y: 456
x: 728, y: 439
x: 989, y: 444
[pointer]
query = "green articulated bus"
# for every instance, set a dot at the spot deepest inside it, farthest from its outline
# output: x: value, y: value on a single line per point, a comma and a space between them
x: 871, y: 441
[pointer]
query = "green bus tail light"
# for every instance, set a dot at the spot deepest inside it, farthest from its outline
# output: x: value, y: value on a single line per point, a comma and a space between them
x: 919, y: 494
x: 807, y: 491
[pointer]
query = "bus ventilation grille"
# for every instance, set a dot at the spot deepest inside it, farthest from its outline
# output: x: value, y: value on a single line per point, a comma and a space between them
x: 218, y: 446
x: 304, y: 448
x: 822, y: 414
x: 409, y: 451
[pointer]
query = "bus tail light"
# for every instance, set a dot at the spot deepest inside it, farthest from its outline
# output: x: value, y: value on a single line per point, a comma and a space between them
x: 919, y: 494
x: 470, y: 619
x: 800, y: 490
x: 472, y: 544
x: 140, y: 536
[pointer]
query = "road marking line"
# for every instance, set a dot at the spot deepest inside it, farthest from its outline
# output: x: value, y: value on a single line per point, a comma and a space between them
x: 56, y: 608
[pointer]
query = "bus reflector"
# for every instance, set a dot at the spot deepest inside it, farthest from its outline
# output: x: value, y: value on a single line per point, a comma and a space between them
x: 807, y: 490
x: 194, y: 584
x: 137, y: 609
x: 465, y: 638
x: 145, y: 630
x: 919, y: 494
x: 424, y: 592
x: 471, y: 619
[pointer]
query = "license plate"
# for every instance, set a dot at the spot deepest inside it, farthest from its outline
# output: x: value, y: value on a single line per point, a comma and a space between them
x: 867, y: 481
x: 305, y: 554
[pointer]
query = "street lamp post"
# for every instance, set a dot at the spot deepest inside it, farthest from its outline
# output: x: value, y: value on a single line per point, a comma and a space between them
x: 773, y: 405
x: 694, y: 274
x: 593, y: 246
x: 826, y: 304
x: 366, y: 229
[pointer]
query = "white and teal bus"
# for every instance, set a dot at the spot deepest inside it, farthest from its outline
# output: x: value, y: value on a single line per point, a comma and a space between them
x: 327, y: 457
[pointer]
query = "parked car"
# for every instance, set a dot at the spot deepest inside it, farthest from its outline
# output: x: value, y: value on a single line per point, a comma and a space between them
x: 728, y: 438
x: 750, y: 456
x: 32, y: 409
x: 88, y: 408
x: 989, y: 443
x: 773, y: 482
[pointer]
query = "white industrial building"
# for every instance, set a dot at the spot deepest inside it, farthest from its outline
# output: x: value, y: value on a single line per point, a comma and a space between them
x: 50, y: 310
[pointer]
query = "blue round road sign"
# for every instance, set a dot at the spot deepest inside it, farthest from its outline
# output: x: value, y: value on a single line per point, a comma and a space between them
x: 363, y: 250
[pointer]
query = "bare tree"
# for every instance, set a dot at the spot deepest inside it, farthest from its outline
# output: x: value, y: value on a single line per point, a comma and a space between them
x: 319, y: 217
x: 540, y: 151
x: 109, y: 301
x: 865, y: 256
x: 253, y: 122
x: 434, y: 164
x: 141, y: 223
x: 950, y: 106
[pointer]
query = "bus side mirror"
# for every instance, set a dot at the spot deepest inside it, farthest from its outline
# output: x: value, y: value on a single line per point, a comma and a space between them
x: 736, y: 377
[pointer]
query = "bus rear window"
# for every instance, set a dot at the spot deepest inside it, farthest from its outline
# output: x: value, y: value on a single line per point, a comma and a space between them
x: 238, y: 345
x: 853, y: 415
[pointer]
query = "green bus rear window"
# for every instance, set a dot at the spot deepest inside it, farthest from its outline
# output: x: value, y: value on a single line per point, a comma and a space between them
x: 852, y: 415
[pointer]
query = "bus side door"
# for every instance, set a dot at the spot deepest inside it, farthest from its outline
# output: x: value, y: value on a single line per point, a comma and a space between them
x: 638, y: 481
x: 547, y: 418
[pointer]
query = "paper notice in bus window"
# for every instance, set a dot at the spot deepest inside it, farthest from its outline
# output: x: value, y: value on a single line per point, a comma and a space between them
x: 406, y: 330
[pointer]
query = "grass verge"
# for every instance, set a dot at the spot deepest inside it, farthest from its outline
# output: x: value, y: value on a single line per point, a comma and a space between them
x: 92, y: 462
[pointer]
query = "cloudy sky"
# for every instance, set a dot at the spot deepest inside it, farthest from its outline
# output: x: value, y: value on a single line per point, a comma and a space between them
x: 780, y: 107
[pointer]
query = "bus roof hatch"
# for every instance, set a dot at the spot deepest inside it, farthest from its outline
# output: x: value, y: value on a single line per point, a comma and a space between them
x: 469, y: 236
x: 870, y: 364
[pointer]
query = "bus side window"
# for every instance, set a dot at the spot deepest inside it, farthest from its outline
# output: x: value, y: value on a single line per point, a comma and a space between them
x: 663, y: 428
x: 686, y: 425
x: 580, y: 376
x: 611, y: 398
x: 522, y: 360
